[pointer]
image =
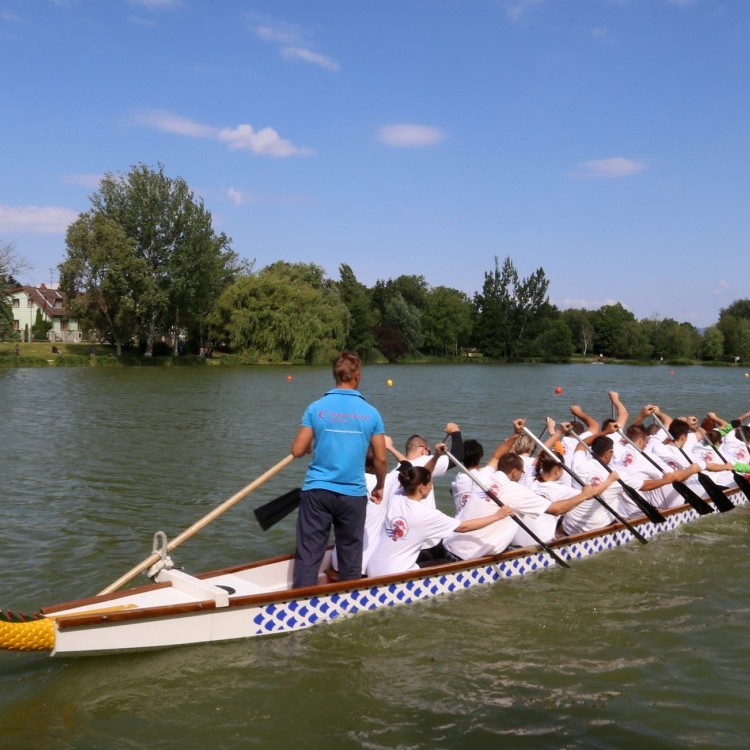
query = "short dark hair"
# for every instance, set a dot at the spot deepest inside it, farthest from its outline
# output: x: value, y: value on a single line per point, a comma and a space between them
x: 473, y: 452
x: 678, y: 428
x: 508, y: 462
x: 600, y: 445
x: 636, y: 431
x: 545, y: 463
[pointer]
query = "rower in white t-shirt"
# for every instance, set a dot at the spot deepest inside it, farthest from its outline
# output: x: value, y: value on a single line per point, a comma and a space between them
x: 527, y: 504
x: 410, y: 525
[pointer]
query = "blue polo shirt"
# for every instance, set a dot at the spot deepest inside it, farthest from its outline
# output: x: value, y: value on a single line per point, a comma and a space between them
x: 342, y: 423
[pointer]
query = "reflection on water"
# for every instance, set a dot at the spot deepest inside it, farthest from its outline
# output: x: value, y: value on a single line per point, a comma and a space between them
x: 643, y: 646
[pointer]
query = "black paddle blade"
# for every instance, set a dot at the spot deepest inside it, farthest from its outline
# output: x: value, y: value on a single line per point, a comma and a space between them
x: 721, y: 501
x: 648, y: 510
x: 271, y: 513
x: 693, y: 498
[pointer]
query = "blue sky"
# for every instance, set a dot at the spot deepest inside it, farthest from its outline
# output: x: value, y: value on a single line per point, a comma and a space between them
x: 607, y: 141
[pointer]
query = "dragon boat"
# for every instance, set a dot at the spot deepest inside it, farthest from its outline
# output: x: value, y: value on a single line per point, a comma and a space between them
x: 257, y: 599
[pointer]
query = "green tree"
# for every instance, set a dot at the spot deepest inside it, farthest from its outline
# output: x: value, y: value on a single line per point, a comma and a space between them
x: 187, y: 262
x: 712, y: 345
x: 505, y: 308
x: 730, y: 325
x: 554, y: 343
x: 41, y: 326
x: 286, y: 312
x: 363, y: 318
x: 609, y: 330
x: 103, y: 277
x: 742, y: 340
x: 398, y: 304
x: 446, y: 321
x: 406, y: 319
x: 672, y: 340
x: 633, y: 342
x: 581, y: 328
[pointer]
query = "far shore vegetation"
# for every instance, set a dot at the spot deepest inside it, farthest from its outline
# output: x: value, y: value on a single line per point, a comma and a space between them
x: 151, y: 283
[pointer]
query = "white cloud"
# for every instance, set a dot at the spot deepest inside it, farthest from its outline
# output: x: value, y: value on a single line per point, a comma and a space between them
x: 10, y: 16
x: 36, y: 219
x: 517, y: 9
x: 156, y: 4
x: 240, y: 197
x: 87, y: 180
x: 307, y: 55
x: 587, y: 304
x: 410, y: 136
x: 169, y: 122
x: 613, y: 167
x: 292, y: 43
x: 264, y: 142
x: 722, y: 288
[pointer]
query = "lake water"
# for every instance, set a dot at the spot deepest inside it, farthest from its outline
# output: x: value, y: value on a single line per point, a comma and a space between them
x: 645, y: 646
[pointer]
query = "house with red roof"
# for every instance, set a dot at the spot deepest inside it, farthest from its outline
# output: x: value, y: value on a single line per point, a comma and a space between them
x: 26, y: 300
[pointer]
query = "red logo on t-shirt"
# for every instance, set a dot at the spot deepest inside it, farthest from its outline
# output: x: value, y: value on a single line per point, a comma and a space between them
x: 398, y: 529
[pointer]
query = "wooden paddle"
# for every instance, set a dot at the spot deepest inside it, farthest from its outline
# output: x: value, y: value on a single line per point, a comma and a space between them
x: 271, y: 513
x: 721, y: 501
x: 688, y: 495
x: 198, y: 525
x: 645, y: 506
x: 742, y: 483
x: 497, y: 500
x: 629, y: 526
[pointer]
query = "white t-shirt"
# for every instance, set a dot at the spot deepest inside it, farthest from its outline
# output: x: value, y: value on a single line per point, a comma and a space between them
x: 591, y: 514
x: 543, y: 525
x: 734, y: 449
x: 441, y: 466
x: 374, y: 518
x: 497, y: 536
x: 703, y: 454
x: 570, y: 446
x: 409, y: 526
x: 634, y: 469
x: 673, y: 457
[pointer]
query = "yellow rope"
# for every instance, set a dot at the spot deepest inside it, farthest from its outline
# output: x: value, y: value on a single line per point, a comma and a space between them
x: 33, y: 635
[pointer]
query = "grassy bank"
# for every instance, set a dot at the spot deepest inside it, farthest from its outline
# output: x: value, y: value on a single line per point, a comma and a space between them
x: 40, y: 354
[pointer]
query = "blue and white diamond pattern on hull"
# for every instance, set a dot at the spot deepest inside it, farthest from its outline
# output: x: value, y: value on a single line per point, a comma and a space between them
x: 284, y: 617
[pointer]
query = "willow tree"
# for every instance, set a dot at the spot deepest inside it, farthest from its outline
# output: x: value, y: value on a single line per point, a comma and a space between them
x: 285, y: 312
x: 187, y: 263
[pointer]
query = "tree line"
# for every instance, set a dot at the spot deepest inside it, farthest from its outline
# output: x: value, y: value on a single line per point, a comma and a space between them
x: 144, y: 266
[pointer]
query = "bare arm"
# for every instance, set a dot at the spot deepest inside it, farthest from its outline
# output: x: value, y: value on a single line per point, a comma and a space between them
x: 302, y: 443
x: 559, y: 507
x: 621, y: 413
x: 507, y: 445
x: 377, y: 443
x: 390, y: 447
x: 591, y: 423
x: 474, y: 524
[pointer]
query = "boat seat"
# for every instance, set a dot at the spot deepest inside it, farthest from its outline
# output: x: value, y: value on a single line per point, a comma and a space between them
x: 192, y: 586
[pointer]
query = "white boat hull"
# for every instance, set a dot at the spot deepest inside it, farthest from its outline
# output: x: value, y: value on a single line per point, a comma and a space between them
x: 255, y: 600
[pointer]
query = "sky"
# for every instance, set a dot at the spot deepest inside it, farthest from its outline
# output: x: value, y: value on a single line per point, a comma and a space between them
x: 605, y: 141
